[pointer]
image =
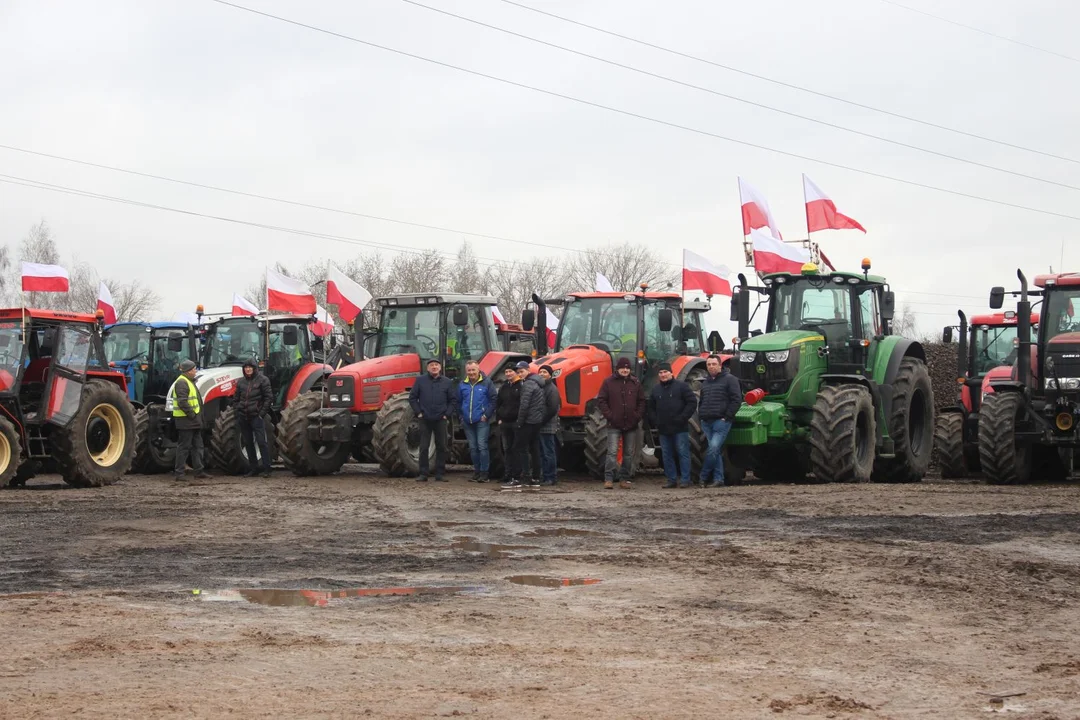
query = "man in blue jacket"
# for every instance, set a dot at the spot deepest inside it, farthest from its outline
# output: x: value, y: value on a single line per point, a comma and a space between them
x: 476, y: 403
x: 721, y: 398
x: 434, y: 400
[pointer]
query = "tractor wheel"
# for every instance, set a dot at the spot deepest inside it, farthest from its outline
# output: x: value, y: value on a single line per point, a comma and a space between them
x: 150, y: 459
x: 949, y: 445
x: 396, y: 438
x: 362, y: 451
x: 733, y: 474
x: 297, y: 451
x: 1004, y: 460
x: 227, y: 442
x: 98, y: 445
x: 10, y: 449
x: 780, y: 465
x: 843, y: 434
x: 911, y: 425
x: 26, y: 472
x: 596, y: 445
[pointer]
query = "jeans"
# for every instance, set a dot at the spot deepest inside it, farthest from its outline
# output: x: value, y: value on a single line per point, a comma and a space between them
x: 438, y: 429
x: 716, y: 432
x: 253, y: 430
x: 526, y: 447
x: 611, y: 466
x: 548, y: 460
x: 189, y: 442
x: 478, y: 434
x: 672, y: 446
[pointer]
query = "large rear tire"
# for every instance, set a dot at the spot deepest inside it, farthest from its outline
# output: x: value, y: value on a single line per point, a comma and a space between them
x: 299, y: 453
x: 843, y: 434
x: 149, y: 458
x: 98, y: 445
x: 1004, y: 461
x: 396, y: 439
x: 227, y: 442
x: 596, y: 445
x: 10, y: 450
x: 949, y: 445
x: 911, y: 425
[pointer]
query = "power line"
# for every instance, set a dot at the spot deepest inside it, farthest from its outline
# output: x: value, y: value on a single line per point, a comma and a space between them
x: 736, y: 98
x: 981, y: 31
x: 628, y: 113
x: 791, y: 86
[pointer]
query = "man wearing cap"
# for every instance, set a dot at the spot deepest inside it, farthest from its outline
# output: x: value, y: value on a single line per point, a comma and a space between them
x: 507, y: 405
x: 549, y: 431
x: 622, y: 403
x: 433, y: 399
x: 187, y: 415
x: 531, y: 415
x: 671, y: 405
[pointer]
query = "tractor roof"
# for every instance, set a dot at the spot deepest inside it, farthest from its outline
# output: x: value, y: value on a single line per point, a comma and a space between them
x: 995, y: 319
x: 436, y: 298
x: 620, y: 295
x: 697, y: 305
x: 168, y: 324
x: 1066, y: 279
x: 58, y: 315
x: 831, y: 276
x: 279, y: 317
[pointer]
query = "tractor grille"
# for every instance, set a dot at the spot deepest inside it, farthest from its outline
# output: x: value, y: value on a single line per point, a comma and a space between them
x: 372, y: 394
x: 342, y: 391
x: 1063, y: 363
x: 777, y: 378
x: 572, y: 383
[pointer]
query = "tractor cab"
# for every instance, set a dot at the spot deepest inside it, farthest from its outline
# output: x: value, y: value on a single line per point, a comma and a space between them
x: 149, y: 355
x: 279, y: 344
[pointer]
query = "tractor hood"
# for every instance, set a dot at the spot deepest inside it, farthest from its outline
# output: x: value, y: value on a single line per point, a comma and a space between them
x: 781, y: 340
x: 218, y: 382
x: 381, y: 368
x: 577, y: 357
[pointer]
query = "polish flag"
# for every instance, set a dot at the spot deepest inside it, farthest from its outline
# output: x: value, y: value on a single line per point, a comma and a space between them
x: 324, y: 322
x: 350, y: 297
x: 700, y: 274
x: 105, y: 303
x: 499, y: 319
x: 821, y: 212
x: 243, y: 306
x: 755, y: 210
x: 287, y: 295
x: 44, y: 278
x: 772, y: 255
x: 603, y: 284
x: 552, y: 326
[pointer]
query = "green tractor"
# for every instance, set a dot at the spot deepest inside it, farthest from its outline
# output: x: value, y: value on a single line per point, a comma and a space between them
x: 829, y: 389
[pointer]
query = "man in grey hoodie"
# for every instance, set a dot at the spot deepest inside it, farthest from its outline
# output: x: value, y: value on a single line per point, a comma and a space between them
x: 549, y: 431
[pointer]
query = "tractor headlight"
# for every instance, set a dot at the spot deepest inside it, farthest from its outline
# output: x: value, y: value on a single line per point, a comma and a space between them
x: 746, y: 356
x: 346, y: 398
x: 1063, y: 384
x: 333, y: 398
x: 778, y: 357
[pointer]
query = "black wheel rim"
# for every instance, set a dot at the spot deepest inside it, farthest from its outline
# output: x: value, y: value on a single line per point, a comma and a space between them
x: 97, y: 435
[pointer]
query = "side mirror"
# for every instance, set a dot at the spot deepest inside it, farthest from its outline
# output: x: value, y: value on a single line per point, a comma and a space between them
x: 173, y: 344
x: 676, y: 333
x: 460, y: 315
x: 716, y: 342
x: 666, y: 319
x: 528, y: 319
x: 317, y: 344
x: 997, y: 297
x: 946, y: 335
x: 888, y: 305
x: 735, y: 299
x: 333, y: 341
x: 290, y: 336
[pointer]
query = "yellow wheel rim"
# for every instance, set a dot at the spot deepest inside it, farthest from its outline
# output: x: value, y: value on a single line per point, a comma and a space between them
x: 105, y: 435
x: 5, y: 453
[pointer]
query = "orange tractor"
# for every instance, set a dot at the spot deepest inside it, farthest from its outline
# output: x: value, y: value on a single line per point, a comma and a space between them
x: 364, y: 411
x: 597, y: 329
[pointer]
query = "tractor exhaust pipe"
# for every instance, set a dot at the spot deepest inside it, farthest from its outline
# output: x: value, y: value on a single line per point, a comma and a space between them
x: 1023, y: 333
x: 541, y: 326
x: 358, y: 337
x: 962, y: 348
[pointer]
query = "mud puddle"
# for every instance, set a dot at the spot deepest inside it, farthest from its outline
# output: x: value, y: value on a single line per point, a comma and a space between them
x: 561, y: 532
x: 551, y: 582
x: 491, y: 550
x: 322, y: 598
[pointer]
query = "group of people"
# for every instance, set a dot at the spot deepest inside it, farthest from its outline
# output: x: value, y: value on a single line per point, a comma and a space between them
x: 525, y: 412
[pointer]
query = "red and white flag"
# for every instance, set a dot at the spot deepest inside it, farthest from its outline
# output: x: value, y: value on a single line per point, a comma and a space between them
x: 821, y: 213
x: 350, y: 297
x: 499, y: 319
x: 243, y: 306
x: 772, y: 255
x: 324, y: 322
x: 552, y: 327
x: 287, y: 295
x: 755, y: 210
x: 105, y: 304
x: 44, y: 278
x: 698, y: 273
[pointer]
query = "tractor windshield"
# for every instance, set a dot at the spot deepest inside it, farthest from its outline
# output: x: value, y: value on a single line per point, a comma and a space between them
x: 994, y: 347
x: 811, y: 305
x: 232, y: 342
x: 11, y: 352
x: 694, y: 331
x: 1062, y: 312
x: 126, y: 342
x: 608, y: 323
x: 409, y: 330
x: 164, y: 363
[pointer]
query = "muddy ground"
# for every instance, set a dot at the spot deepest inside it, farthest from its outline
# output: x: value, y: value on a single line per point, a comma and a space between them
x: 838, y: 601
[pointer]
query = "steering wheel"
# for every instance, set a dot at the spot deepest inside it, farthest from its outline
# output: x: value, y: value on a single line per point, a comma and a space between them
x: 814, y: 323
x: 431, y: 347
x: 616, y: 344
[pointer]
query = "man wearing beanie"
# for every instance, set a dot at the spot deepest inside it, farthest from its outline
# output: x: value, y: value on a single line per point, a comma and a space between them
x: 671, y: 405
x: 186, y: 409
x: 531, y: 414
x: 622, y: 403
x: 549, y: 431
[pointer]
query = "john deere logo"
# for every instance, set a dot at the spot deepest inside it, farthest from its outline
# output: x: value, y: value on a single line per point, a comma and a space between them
x: 760, y: 369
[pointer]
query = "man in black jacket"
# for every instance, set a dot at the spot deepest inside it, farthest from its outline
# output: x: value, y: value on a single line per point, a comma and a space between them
x: 671, y: 405
x: 253, y: 399
x: 507, y: 406
x: 433, y: 399
x: 532, y: 411
x: 721, y: 398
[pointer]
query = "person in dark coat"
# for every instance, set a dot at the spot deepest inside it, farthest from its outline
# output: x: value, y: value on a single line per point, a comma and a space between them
x: 507, y: 405
x: 476, y: 403
x: 433, y: 399
x: 671, y: 405
x: 549, y: 431
x: 187, y: 416
x: 721, y: 398
x: 531, y: 413
x: 253, y: 400
x: 622, y: 403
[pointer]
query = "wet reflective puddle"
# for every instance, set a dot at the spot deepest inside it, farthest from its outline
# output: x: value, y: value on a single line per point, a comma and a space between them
x: 689, y: 531
x: 561, y: 532
x: 322, y: 598
x: 491, y: 550
x: 551, y: 582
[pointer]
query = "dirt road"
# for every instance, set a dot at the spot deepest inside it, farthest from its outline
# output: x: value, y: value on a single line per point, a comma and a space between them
x: 763, y: 601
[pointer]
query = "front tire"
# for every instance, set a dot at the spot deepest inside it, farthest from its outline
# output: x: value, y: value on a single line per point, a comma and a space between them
x: 299, y: 453
x: 1004, y: 460
x: 227, y: 442
x: 843, y: 434
x: 98, y: 445
x: 949, y: 445
x: 396, y: 439
x: 10, y: 451
x: 911, y: 424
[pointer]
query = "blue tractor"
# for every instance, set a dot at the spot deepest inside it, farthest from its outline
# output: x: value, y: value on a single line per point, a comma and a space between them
x: 149, y: 355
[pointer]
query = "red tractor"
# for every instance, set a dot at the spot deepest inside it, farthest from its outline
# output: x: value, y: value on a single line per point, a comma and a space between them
x: 597, y: 329
x: 364, y: 411
x: 61, y: 408
x: 986, y: 350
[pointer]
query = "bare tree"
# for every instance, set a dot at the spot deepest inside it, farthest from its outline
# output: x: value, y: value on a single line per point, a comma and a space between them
x: 133, y: 300
x: 466, y: 276
x: 904, y: 323
x: 513, y: 283
x: 415, y: 273
x: 626, y: 266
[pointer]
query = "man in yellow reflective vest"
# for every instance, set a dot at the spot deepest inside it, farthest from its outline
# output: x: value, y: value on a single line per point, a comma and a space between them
x: 187, y: 415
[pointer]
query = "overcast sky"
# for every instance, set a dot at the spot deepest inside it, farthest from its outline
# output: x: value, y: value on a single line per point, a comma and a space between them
x: 202, y: 92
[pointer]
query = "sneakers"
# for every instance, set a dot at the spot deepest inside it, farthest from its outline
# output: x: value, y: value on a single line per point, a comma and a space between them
x: 265, y: 473
x: 482, y: 478
x: 179, y: 476
x: 609, y: 484
x: 548, y: 483
x: 670, y: 485
x: 715, y: 483
x: 421, y: 478
x: 203, y: 475
x: 475, y: 477
x: 250, y: 474
x: 535, y: 482
x: 511, y: 484
x: 626, y: 484
x: 684, y: 485
x: 440, y: 478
